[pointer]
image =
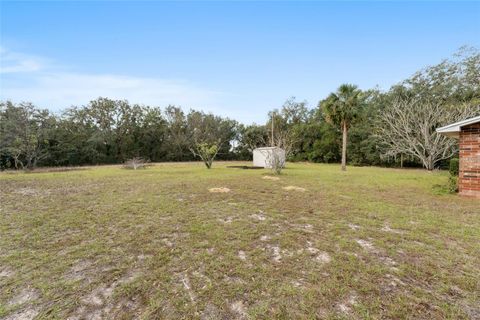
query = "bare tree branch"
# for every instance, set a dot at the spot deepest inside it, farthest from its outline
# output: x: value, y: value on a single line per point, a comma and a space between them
x: 408, y: 127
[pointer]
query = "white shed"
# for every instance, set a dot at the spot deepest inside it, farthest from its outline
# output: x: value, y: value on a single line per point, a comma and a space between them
x: 262, y: 157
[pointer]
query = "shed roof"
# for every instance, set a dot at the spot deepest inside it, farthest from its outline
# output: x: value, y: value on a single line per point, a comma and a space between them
x: 452, y: 130
x: 267, y: 148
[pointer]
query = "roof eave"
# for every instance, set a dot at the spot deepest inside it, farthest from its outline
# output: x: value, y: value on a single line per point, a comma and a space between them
x: 453, y: 129
x: 453, y: 134
x: 457, y: 126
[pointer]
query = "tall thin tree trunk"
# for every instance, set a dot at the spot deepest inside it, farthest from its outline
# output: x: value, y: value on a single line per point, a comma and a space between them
x: 344, y: 147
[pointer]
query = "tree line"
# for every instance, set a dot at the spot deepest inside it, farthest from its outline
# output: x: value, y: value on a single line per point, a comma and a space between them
x: 371, y: 127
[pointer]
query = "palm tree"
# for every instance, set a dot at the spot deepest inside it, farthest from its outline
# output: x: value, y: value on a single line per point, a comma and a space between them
x: 341, y: 109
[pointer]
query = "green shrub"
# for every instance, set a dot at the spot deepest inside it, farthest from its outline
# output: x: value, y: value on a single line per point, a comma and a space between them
x: 453, y: 184
x: 454, y: 167
x: 453, y: 178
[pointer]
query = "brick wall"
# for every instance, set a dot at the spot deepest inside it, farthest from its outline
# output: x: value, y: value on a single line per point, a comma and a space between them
x: 469, y: 176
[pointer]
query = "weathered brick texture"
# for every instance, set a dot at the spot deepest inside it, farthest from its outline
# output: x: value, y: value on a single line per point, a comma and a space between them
x: 469, y: 175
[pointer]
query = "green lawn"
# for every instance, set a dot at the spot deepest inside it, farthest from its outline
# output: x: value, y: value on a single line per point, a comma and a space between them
x: 111, y: 243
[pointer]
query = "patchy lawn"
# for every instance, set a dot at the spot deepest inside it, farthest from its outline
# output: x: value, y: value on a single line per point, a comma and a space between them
x: 181, y: 241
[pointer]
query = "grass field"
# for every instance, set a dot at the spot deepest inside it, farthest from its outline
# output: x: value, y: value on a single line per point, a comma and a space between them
x: 111, y: 243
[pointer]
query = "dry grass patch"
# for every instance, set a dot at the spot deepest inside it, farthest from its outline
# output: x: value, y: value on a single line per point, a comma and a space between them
x: 27, y: 295
x: 258, y: 216
x: 294, y: 188
x: 108, y: 243
x: 219, y: 190
x: 6, y: 272
x: 28, y: 313
x: 270, y: 178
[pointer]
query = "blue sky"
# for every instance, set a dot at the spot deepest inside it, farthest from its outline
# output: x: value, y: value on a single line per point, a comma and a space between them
x: 237, y: 59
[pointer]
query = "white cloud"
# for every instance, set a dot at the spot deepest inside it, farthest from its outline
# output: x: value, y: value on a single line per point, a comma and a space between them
x: 52, y: 86
x: 27, y: 78
x: 14, y: 62
x: 58, y: 90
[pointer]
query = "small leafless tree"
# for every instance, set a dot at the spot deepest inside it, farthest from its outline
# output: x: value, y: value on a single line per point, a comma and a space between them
x: 135, y: 163
x: 275, y: 159
x: 408, y: 127
x: 286, y: 140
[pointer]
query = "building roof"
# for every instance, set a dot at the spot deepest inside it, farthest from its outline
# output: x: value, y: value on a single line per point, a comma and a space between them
x: 452, y: 130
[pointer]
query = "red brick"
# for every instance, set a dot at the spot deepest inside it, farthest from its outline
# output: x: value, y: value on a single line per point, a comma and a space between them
x: 469, y: 175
